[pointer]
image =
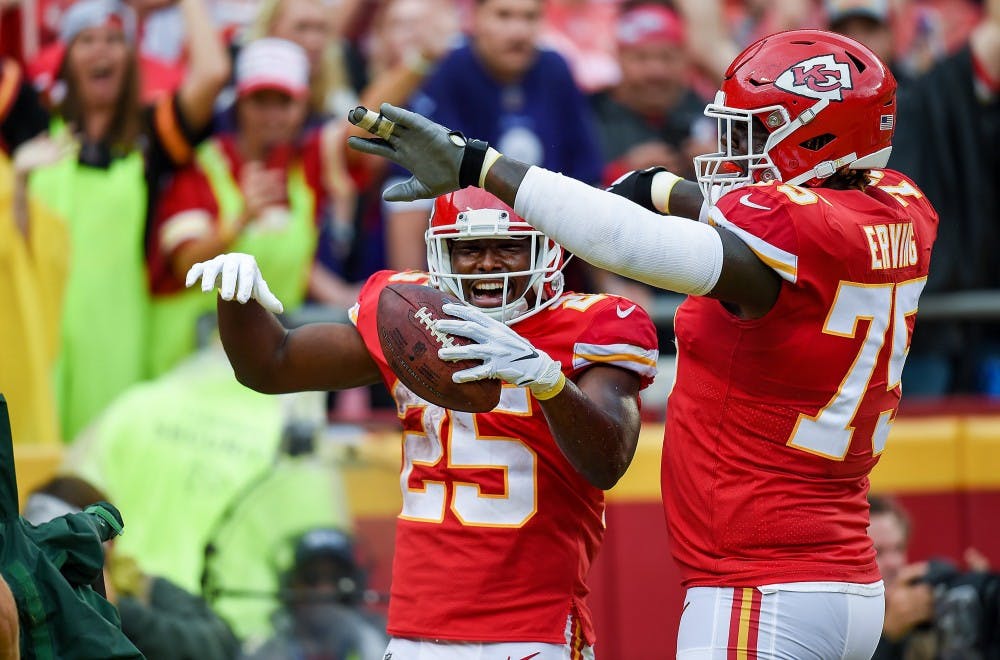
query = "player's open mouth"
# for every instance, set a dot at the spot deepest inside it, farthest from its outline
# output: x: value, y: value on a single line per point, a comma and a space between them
x: 487, y: 294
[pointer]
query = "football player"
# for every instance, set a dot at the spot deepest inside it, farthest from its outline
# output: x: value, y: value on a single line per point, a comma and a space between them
x: 502, y: 511
x: 804, y: 283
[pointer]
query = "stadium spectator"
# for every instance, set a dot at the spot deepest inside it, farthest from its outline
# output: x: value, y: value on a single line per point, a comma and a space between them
x: 909, y: 601
x: 722, y: 29
x: 507, y: 504
x: 406, y: 40
x: 501, y: 86
x: 648, y: 118
x: 790, y: 345
x: 164, y: 621
x: 335, y: 71
x: 258, y: 190
x: 125, y: 152
x: 868, y: 22
x: 323, y: 614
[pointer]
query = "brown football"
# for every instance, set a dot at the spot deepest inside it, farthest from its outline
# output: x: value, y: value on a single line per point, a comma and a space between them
x: 404, y: 316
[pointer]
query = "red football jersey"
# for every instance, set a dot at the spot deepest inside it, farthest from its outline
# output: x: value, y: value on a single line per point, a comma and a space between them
x: 498, y: 531
x: 774, y: 423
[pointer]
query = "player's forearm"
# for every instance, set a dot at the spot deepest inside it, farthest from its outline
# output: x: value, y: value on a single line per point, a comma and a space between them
x: 596, y: 444
x: 686, y: 200
x: 664, y: 251
x: 253, y: 339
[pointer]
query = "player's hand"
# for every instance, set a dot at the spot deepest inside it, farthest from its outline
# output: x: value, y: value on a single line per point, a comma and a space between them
x: 505, y: 354
x: 44, y: 150
x: 441, y: 160
x: 240, y: 277
x: 649, y: 188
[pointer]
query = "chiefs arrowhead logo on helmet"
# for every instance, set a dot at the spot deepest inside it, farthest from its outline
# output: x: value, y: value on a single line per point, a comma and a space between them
x: 821, y: 77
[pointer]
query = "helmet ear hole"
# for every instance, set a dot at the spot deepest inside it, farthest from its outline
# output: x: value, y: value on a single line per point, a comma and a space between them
x: 818, y: 142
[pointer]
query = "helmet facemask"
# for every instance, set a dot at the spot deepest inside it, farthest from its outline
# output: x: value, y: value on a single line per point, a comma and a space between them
x: 738, y: 162
x: 545, y: 278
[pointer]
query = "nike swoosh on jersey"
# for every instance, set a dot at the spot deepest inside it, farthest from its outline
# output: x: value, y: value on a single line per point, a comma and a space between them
x: 745, y: 201
x: 528, y: 657
x: 526, y: 356
x: 623, y: 313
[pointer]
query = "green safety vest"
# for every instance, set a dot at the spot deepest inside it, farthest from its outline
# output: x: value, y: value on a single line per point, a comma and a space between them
x: 106, y: 305
x: 284, y: 256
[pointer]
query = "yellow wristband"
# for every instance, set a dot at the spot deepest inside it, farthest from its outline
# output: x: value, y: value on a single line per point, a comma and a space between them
x: 659, y: 189
x: 548, y: 393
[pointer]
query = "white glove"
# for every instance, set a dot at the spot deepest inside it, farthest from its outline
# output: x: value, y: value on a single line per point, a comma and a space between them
x: 240, y: 277
x: 505, y: 354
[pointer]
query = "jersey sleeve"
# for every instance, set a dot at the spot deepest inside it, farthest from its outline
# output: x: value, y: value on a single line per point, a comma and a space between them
x: 187, y: 211
x: 619, y: 333
x: 760, y: 216
x: 173, y: 139
x: 21, y: 114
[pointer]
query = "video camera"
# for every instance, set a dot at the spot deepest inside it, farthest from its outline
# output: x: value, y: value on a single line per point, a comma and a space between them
x: 966, y: 612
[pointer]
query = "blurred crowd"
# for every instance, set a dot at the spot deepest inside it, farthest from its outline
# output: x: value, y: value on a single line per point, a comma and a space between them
x: 140, y: 137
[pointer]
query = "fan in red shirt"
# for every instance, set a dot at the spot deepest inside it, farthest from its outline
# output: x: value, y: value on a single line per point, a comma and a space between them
x: 804, y: 283
x: 260, y: 190
x: 502, y: 511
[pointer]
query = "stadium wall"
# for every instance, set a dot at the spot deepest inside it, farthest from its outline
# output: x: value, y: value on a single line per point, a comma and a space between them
x: 944, y: 468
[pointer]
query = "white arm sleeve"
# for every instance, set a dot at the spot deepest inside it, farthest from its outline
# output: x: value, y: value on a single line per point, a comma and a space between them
x: 611, y: 232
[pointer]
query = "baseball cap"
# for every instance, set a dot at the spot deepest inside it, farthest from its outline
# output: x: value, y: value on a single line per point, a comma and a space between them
x: 841, y: 10
x: 95, y: 13
x: 645, y: 24
x: 271, y: 63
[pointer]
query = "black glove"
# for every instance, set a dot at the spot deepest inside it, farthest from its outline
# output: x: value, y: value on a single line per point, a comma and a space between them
x: 441, y: 160
x: 637, y: 186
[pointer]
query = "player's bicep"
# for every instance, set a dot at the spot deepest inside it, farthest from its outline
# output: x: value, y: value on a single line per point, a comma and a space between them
x: 326, y: 356
x: 745, y: 279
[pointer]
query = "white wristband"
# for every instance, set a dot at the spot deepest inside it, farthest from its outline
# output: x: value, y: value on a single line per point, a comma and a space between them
x: 492, y: 156
x: 659, y: 190
x: 612, y: 233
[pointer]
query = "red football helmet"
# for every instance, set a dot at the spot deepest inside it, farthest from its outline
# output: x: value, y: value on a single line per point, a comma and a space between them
x: 473, y: 213
x: 796, y: 107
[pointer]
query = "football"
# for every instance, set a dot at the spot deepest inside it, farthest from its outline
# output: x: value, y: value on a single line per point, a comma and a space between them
x: 404, y: 316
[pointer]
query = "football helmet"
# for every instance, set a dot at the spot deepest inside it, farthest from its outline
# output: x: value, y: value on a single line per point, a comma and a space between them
x: 473, y: 213
x: 796, y: 107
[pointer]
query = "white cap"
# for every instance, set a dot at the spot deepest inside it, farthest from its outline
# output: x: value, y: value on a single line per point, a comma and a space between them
x: 272, y: 64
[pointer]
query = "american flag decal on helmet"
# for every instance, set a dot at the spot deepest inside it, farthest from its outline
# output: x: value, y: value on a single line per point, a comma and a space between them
x: 885, y: 123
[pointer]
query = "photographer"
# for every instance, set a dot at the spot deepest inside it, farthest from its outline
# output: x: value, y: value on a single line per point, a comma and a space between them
x: 932, y: 610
